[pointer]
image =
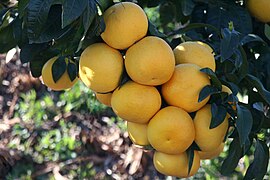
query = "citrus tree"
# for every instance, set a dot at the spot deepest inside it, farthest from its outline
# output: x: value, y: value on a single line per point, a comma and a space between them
x: 55, y: 36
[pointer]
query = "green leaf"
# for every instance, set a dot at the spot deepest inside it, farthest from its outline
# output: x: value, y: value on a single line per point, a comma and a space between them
x: 52, y: 28
x: 22, y: 5
x: 214, y: 79
x: 7, y: 40
x: 255, y: 82
x: 195, y: 146
x: 259, y: 119
x: 3, y: 14
x: 72, y: 9
x: 231, y: 161
x: 36, y: 67
x: 30, y: 51
x: 37, y: 13
x: 89, y: 15
x: 58, y: 68
x: 243, y: 69
x: 251, y: 38
x: 229, y: 43
x: 154, y: 31
x: 220, y: 14
x: 219, y: 113
x: 72, y: 70
x: 104, y: 4
x: 258, y: 168
x: 193, y: 26
x: 267, y: 31
x: 124, y: 78
x: 206, y: 91
x: 190, y: 155
x: 187, y: 7
x: 244, y: 123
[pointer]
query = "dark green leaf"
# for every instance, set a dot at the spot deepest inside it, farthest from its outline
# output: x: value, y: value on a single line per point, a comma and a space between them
x: 30, y: 51
x: 89, y: 15
x: 104, y: 4
x: 153, y: 30
x: 58, y: 68
x: 37, y: 13
x: 206, y: 91
x: 72, y: 70
x: 251, y: 38
x: 231, y: 161
x: 243, y: 69
x: 259, y: 119
x: 36, y: 67
x: 124, y: 78
x: 232, y: 98
x: 258, y: 168
x: 3, y: 14
x: 22, y: 5
x: 190, y: 155
x: 193, y: 26
x: 214, y: 80
x: 195, y: 146
x: 255, y: 82
x: 7, y: 40
x: 187, y: 7
x: 149, y: 3
x: 165, y: 17
x: 52, y: 28
x: 244, y: 123
x: 72, y: 9
x: 267, y: 31
x: 229, y: 43
x: 38, y: 58
x: 219, y: 15
x: 219, y: 113
x: 237, y: 58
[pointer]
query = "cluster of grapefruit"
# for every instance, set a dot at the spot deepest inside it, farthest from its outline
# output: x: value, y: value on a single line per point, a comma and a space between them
x: 162, y: 92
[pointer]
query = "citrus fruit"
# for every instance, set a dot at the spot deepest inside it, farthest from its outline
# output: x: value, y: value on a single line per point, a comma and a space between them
x: 211, y: 154
x: 209, y: 48
x: 63, y: 83
x: 104, y: 98
x: 150, y: 61
x: 176, y: 165
x: 171, y: 130
x: 260, y: 9
x: 135, y: 102
x: 195, y: 53
x: 208, y: 139
x: 125, y: 24
x: 183, y: 89
x: 101, y: 67
x: 137, y: 133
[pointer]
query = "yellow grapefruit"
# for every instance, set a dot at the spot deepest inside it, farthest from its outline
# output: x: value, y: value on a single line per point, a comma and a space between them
x: 125, y: 24
x: 208, y: 139
x: 183, y: 89
x: 63, y: 83
x: 197, y: 53
x: 137, y: 133
x: 150, y: 61
x: 171, y: 130
x: 135, y: 102
x: 176, y: 165
x: 101, y: 67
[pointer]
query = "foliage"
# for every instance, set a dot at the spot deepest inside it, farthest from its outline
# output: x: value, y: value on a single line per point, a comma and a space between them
x: 45, y: 134
x: 46, y: 28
